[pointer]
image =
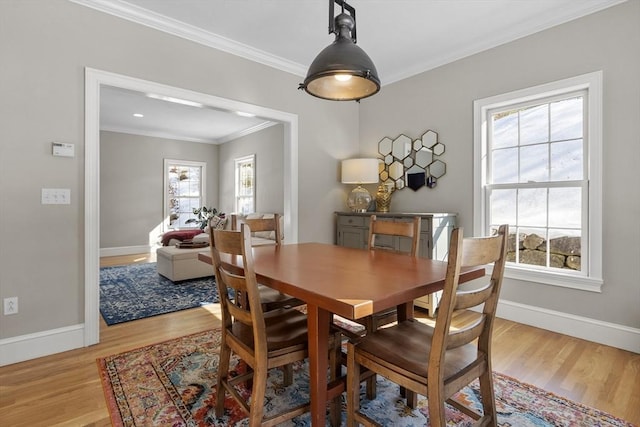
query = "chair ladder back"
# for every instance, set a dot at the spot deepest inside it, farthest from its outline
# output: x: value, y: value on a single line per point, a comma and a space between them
x: 473, y: 298
x: 466, y: 334
x: 236, y: 308
x: 480, y: 251
x: 246, y: 306
x: 395, y: 228
x: 439, y: 341
x: 262, y: 224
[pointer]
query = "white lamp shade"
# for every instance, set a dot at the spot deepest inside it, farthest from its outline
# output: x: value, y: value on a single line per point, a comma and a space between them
x: 360, y: 171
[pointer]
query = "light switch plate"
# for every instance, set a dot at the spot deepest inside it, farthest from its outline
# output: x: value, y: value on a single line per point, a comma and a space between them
x: 56, y: 196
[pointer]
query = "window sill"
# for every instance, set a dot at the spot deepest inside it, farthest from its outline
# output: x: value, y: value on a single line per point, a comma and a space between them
x: 555, y: 279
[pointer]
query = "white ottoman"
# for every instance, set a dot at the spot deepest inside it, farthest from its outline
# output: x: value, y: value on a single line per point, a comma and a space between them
x: 182, y: 264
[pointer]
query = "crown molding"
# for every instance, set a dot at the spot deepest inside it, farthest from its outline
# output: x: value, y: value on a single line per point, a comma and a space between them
x: 143, y: 16
x: 245, y: 132
x: 544, y: 22
x: 168, y: 135
x: 159, y: 22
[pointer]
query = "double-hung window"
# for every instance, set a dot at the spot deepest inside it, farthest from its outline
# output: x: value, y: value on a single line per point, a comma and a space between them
x: 538, y: 168
x: 245, y: 184
x: 184, y: 183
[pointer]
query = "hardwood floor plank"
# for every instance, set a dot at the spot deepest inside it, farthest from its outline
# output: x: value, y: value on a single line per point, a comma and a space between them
x: 65, y: 389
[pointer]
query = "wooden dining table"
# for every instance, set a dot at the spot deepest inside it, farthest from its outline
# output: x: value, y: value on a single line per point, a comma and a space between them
x: 352, y: 283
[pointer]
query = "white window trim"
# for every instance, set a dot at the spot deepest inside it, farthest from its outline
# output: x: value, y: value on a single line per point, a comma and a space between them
x: 165, y: 198
x: 592, y: 82
x: 236, y: 162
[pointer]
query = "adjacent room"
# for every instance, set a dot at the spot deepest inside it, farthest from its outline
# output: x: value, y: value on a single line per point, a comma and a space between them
x: 228, y: 215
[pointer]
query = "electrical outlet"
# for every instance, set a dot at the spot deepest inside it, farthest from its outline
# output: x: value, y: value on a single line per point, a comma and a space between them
x: 10, y: 306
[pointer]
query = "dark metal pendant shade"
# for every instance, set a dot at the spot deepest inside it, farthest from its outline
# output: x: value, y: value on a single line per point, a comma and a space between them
x: 342, y: 58
x: 342, y: 71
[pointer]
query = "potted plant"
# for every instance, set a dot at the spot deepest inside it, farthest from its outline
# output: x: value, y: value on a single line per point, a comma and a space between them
x: 203, y: 215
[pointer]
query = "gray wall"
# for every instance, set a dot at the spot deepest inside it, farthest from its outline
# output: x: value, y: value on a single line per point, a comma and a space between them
x: 442, y: 100
x: 45, y: 47
x: 131, y: 184
x: 267, y: 145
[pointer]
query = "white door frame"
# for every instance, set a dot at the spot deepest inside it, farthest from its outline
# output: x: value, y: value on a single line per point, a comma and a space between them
x: 94, y: 79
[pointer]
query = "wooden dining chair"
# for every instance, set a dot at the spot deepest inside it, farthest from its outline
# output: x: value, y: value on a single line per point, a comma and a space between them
x: 378, y: 231
x: 382, y: 236
x: 271, y: 299
x: 263, y: 340
x: 438, y: 361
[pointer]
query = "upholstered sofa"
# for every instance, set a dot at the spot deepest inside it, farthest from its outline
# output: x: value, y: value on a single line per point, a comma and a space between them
x: 177, y: 264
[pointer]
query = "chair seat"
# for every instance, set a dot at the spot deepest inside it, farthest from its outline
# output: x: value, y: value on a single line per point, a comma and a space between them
x: 285, y: 328
x: 414, y: 338
x: 272, y: 299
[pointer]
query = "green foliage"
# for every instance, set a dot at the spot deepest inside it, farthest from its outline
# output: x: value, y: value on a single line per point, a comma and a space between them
x: 203, y: 215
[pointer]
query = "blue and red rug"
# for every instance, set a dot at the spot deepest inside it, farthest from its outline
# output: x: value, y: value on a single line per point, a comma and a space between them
x: 173, y: 383
x: 136, y: 291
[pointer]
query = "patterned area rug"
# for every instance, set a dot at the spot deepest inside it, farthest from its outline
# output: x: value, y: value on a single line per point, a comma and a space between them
x: 137, y: 291
x: 172, y: 383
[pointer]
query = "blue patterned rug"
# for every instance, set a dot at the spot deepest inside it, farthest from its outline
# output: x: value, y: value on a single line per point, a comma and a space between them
x: 136, y: 291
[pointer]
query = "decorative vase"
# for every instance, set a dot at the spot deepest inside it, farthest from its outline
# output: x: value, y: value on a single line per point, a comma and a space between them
x: 383, y: 198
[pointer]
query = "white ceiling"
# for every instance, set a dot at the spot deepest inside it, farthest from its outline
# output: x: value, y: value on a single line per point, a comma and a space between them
x: 402, y: 37
x: 165, y: 119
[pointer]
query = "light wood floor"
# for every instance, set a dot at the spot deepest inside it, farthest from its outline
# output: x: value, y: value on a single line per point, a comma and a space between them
x: 65, y: 390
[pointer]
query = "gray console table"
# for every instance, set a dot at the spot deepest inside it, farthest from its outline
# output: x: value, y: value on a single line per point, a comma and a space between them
x: 352, y: 230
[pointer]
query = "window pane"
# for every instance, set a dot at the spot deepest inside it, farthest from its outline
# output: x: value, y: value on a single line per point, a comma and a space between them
x: 565, y: 247
x: 566, y: 119
x: 567, y: 160
x: 532, y: 207
x: 183, y: 188
x: 533, y: 246
x: 565, y: 207
x: 534, y: 163
x: 504, y: 166
x: 503, y: 207
x: 505, y: 129
x: 534, y: 125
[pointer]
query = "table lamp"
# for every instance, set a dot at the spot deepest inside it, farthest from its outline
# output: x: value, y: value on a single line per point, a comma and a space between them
x: 359, y: 171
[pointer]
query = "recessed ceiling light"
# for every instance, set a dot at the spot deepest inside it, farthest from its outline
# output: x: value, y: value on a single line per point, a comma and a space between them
x: 138, y: 115
x: 243, y: 114
x: 175, y: 100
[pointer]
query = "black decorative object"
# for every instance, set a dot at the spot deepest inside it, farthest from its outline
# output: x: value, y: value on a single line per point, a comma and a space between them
x: 415, y: 181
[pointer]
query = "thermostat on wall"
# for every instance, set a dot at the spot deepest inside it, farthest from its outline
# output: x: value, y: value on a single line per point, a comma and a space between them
x: 63, y: 149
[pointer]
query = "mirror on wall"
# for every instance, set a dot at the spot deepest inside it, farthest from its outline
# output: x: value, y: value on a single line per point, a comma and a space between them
x: 413, y: 164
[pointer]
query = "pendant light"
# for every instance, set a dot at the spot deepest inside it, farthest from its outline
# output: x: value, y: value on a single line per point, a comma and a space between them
x: 342, y: 71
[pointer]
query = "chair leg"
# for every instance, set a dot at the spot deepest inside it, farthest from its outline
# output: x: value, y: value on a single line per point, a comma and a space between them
x: 257, y: 395
x: 488, y: 398
x: 223, y: 374
x: 435, y: 400
x: 412, y: 398
x: 353, y: 385
x: 335, y: 370
x: 371, y: 387
x: 287, y: 371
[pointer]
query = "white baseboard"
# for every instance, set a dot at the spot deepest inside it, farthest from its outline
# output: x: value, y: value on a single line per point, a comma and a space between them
x: 45, y: 343
x: 612, y: 334
x: 125, y: 250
